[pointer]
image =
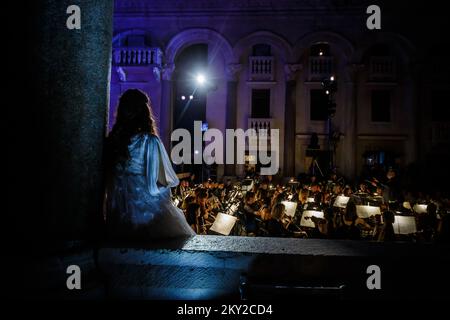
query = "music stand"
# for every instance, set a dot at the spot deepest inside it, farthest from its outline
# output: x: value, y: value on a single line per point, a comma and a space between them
x: 310, y: 200
x: 420, y: 208
x: 290, y: 207
x: 341, y: 202
x: 223, y: 224
x: 365, y: 212
x: 407, y: 205
x: 308, y: 214
x: 404, y: 225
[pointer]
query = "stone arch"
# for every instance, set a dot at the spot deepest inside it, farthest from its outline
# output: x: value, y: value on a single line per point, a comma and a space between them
x: 282, y: 46
x: 400, y: 45
x: 195, y: 36
x: 338, y: 41
x: 342, y: 47
x: 117, y: 38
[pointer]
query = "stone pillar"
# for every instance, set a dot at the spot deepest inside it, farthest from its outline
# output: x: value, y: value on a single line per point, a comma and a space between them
x: 233, y: 71
x: 165, y: 129
x: 409, y: 114
x: 289, y: 119
x: 349, y: 153
x: 71, y: 71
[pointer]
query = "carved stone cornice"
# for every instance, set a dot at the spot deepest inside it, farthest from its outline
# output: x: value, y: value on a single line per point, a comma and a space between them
x: 167, y: 71
x: 291, y: 70
x: 233, y: 70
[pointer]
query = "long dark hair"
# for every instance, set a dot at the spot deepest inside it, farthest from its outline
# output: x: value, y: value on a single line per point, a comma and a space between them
x: 134, y: 116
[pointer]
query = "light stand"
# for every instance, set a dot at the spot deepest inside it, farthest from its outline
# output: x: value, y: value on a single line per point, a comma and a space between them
x: 330, y: 87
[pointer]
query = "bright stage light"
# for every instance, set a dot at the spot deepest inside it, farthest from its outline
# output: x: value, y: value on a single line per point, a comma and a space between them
x: 183, y: 98
x: 200, y: 79
x: 191, y: 97
x: 332, y: 78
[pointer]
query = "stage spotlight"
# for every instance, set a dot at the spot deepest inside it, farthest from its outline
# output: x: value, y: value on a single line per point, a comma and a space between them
x: 200, y: 79
x: 183, y: 98
x: 191, y: 97
x: 332, y: 78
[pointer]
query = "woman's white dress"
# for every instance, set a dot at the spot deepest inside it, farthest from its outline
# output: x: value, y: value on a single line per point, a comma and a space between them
x: 138, y: 200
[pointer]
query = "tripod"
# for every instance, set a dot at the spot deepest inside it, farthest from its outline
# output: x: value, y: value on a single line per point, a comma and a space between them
x: 313, y: 166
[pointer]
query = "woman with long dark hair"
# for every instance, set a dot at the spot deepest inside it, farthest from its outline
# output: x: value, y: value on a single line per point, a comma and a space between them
x: 140, y: 175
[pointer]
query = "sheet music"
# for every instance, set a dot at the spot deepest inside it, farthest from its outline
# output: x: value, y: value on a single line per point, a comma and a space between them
x: 365, y: 212
x: 290, y: 207
x: 341, y: 202
x: 308, y: 222
x: 405, y: 225
x: 407, y: 205
x: 223, y: 224
x: 420, y: 208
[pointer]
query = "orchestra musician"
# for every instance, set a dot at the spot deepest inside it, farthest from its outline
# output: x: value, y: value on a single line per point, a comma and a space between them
x: 257, y: 206
x: 206, y: 217
x: 274, y: 225
x: 251, y: 210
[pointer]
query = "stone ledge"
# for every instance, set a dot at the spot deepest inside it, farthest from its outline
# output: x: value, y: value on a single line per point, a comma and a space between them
x: 289, y: 246
x: 211, y: 267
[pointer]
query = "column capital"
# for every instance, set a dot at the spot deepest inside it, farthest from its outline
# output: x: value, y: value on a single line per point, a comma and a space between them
x: 232, y: 71
x: 122, y: 74
x: 354, y: 69
x: 167, y: 71
x: 291, y: 70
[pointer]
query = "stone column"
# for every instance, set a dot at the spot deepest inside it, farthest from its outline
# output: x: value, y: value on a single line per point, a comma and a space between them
x: 410, y: 112
x: 165, y: 129
x: 291, y: 71
x: 349, y: 155
x: 70, y: 88
x: 233, y: 71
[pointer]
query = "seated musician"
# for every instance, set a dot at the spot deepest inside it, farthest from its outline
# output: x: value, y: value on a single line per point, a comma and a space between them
x: 387, y: 231
x: 319, y: 199
x: 193, y: 217
x: 262, y: 222
x: 347, y: 191
x: 202, y: 201
x: 188, y: 200
x: 275, y: 225
x: 362, y: 188
x: 303, y: 197
x: 325, y: 227
x: 348, y: 228
x: 428, y: 223
x: 250, y: 211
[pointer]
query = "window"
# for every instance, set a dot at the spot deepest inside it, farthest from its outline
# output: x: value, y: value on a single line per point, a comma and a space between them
x: 381, y: 106
x: 261, y: 103
x: 261, y: 50
x: 320, y: 49
x: 318, y: 105
x: 136, y: 41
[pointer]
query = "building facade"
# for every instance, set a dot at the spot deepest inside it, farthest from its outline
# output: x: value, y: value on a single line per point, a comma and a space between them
x: 267, y: 59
